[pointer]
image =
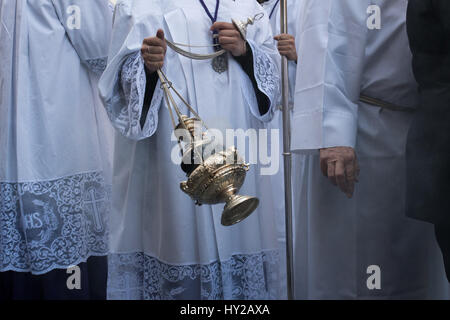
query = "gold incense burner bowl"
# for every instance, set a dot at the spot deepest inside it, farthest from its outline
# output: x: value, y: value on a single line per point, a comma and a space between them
x: 218, y: 180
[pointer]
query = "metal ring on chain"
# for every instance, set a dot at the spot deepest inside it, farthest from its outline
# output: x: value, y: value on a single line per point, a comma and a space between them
x: 258, y: 16
x: 166, y: 83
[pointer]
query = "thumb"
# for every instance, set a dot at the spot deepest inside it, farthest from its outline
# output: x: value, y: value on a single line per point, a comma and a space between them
x: 160, y: 34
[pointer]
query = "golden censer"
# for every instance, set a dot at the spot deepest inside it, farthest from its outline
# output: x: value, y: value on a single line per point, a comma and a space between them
x: 212, y: 178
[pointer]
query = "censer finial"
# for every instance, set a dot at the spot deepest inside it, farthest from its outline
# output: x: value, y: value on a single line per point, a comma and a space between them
x: 242, y: 25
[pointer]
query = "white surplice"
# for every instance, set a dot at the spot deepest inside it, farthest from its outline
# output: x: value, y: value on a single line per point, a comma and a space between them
x: 54, y: 141
x: 163, y: 246
x: 343, y: 247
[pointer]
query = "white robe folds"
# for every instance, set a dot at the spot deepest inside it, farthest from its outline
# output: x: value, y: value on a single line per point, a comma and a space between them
x: 53, y: 133
x: 363, y: 248
x: 163, y: 246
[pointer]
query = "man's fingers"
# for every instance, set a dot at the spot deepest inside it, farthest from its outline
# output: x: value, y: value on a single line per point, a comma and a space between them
x: 324, y: 166
x: 290, y: 48
x: 152, y: 60
x: 331, y: 170
x: 150, y: 57
x: 284, y: 52
x: 154, y: 50
x: 218, y: 26
x: 285, y: 43
x: 340, y: 176
x: 153, y: 66
x: 277, y: 38
x: 157, y: 65
x: 154, y: 42
x: 160, y: 34
x: 229, y: 33
x: 286, y: 49
x: 283, y: 36
x: 350, y: 171
x: 227, y: 40
x: 341, y: 166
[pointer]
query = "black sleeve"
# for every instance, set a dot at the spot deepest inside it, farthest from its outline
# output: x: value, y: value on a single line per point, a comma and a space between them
x: 152, y: 80
x: 428, y: 26
x: 442, y: 9
x: 247, y: 64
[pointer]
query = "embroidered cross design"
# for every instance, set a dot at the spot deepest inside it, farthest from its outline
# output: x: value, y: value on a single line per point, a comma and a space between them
x: 94, y: 202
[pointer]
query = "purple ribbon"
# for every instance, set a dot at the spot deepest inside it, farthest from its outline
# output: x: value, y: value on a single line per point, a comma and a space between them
x: 213, y: 18
x: 273, y: 9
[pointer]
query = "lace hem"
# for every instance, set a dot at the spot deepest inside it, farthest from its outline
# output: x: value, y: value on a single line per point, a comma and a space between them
x: 97, y: 65
x: 131, y: 94
x: 136, y: 276
x: 53, y: 224
x: 266, y: 74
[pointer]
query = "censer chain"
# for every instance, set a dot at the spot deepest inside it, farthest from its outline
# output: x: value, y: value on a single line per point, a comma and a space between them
x: 167, y: 85
x: 195, y: 56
